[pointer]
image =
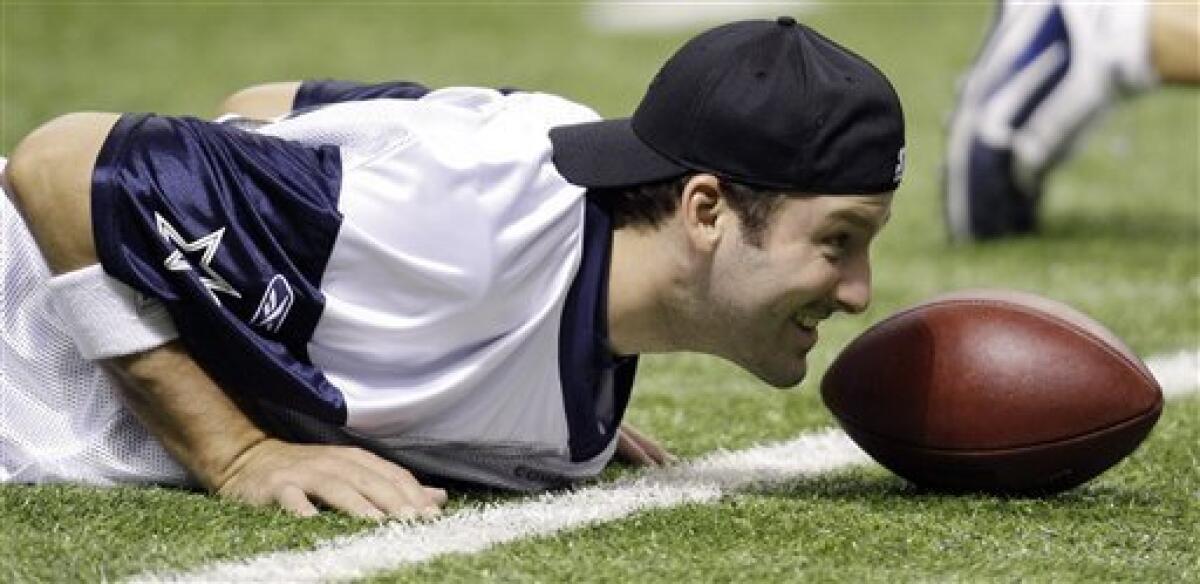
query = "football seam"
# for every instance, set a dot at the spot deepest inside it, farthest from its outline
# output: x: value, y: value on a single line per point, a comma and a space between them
x: 1154, y: 410
x: 1042, y: 315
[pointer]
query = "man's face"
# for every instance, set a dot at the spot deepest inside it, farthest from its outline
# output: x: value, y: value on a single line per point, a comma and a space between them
x: 766, y: 302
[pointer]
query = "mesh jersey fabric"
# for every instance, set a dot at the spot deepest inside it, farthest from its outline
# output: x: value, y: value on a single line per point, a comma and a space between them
x: 62, y: 418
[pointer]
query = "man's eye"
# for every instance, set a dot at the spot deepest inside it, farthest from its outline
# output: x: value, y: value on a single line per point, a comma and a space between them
x: 839, y: 241
x: 836, y: 245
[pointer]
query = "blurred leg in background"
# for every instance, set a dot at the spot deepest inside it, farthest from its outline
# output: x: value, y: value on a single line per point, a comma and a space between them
x: 1046, y: 71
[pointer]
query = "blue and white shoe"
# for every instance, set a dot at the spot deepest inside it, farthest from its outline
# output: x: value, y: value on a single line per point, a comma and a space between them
x: 1040, y: 78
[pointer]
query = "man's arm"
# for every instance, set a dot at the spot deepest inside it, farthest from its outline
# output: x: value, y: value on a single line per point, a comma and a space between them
x: 265, y: 101
x: 206, y: 431
x: 50, y: 177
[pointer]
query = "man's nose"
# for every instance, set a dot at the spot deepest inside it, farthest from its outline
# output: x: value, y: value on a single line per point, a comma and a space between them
x: 853, y: 293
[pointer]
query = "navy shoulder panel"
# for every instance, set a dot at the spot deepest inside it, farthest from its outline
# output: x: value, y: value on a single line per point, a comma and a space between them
x: 327, y: 91
x: 232, y: 231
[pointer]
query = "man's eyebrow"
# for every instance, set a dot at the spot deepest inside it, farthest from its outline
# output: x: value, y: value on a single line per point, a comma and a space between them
x: 861, y: 220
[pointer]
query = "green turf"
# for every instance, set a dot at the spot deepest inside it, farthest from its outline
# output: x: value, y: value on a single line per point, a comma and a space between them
x: 68, y: 533
x: 1121, y: 241
x: 1136, y: 523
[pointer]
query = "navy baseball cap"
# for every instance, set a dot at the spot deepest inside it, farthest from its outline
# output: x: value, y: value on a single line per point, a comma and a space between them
x: 767, y: 103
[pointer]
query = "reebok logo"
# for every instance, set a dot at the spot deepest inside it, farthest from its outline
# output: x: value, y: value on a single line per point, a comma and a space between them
x: 275, y: 304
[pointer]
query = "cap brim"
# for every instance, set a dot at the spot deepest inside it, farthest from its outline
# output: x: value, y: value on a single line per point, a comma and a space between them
x: 608, y: 154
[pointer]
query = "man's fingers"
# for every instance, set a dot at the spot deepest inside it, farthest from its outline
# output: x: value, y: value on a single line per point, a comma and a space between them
x: 438, y: 496
x: 414, y: 498
x: 350, y: 480
x: 294, y: 501
x: 655, y: 450
x: 631, y: 437
x: 341, y: 496
x: 391, y: 497
x: 632, y: 452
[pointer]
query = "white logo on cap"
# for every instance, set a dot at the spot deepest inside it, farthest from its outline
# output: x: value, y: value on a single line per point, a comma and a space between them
x: 899, y: 173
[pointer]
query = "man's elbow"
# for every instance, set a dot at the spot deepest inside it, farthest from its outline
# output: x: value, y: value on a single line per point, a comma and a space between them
x: 49, y: 160
x: 49, y: 180
x: 262, y: 102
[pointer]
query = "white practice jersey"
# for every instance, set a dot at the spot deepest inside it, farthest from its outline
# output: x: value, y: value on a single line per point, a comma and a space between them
x: 409, y: 275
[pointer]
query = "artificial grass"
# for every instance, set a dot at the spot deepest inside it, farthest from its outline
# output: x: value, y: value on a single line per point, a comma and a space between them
x: 62, y: 533
x: 1120, y: 240
x: 1135, y: 523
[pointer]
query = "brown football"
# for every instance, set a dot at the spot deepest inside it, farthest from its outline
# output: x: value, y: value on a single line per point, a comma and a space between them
x: 992, y: 391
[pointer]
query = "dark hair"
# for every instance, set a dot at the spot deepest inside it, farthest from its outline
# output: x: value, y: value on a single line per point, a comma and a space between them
x: 649, y: 204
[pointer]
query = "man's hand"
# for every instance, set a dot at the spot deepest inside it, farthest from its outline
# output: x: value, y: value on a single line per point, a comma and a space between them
x: 637, y: 449
x: 50, y: 178
x: 202, y: 427
x: 297, y: 476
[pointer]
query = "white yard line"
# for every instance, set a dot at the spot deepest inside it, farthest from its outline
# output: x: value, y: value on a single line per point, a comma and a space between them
x: 473, y: 530
x: 476, y: 529
x: 1177, y: 373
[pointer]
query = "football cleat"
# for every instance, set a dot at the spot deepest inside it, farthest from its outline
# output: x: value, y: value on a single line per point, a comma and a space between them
x: 1042, y: 75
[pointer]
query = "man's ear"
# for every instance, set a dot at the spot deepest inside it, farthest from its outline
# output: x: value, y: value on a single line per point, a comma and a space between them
x: 702, y: 208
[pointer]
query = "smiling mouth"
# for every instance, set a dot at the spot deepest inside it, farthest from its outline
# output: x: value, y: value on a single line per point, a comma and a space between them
x: 807, y: 322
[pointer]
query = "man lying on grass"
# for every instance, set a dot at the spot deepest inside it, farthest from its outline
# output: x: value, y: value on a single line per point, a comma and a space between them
x: 387, y: 288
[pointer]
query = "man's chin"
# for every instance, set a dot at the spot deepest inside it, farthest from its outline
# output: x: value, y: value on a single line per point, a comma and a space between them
x: 780, y: 373
x: 784, y: 378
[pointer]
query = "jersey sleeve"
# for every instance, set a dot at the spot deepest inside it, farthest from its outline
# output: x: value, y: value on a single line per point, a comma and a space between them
x: 231, y: 231
x: 314, y: 93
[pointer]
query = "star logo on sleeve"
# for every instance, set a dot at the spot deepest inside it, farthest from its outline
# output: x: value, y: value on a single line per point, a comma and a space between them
x: 206, y: 246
